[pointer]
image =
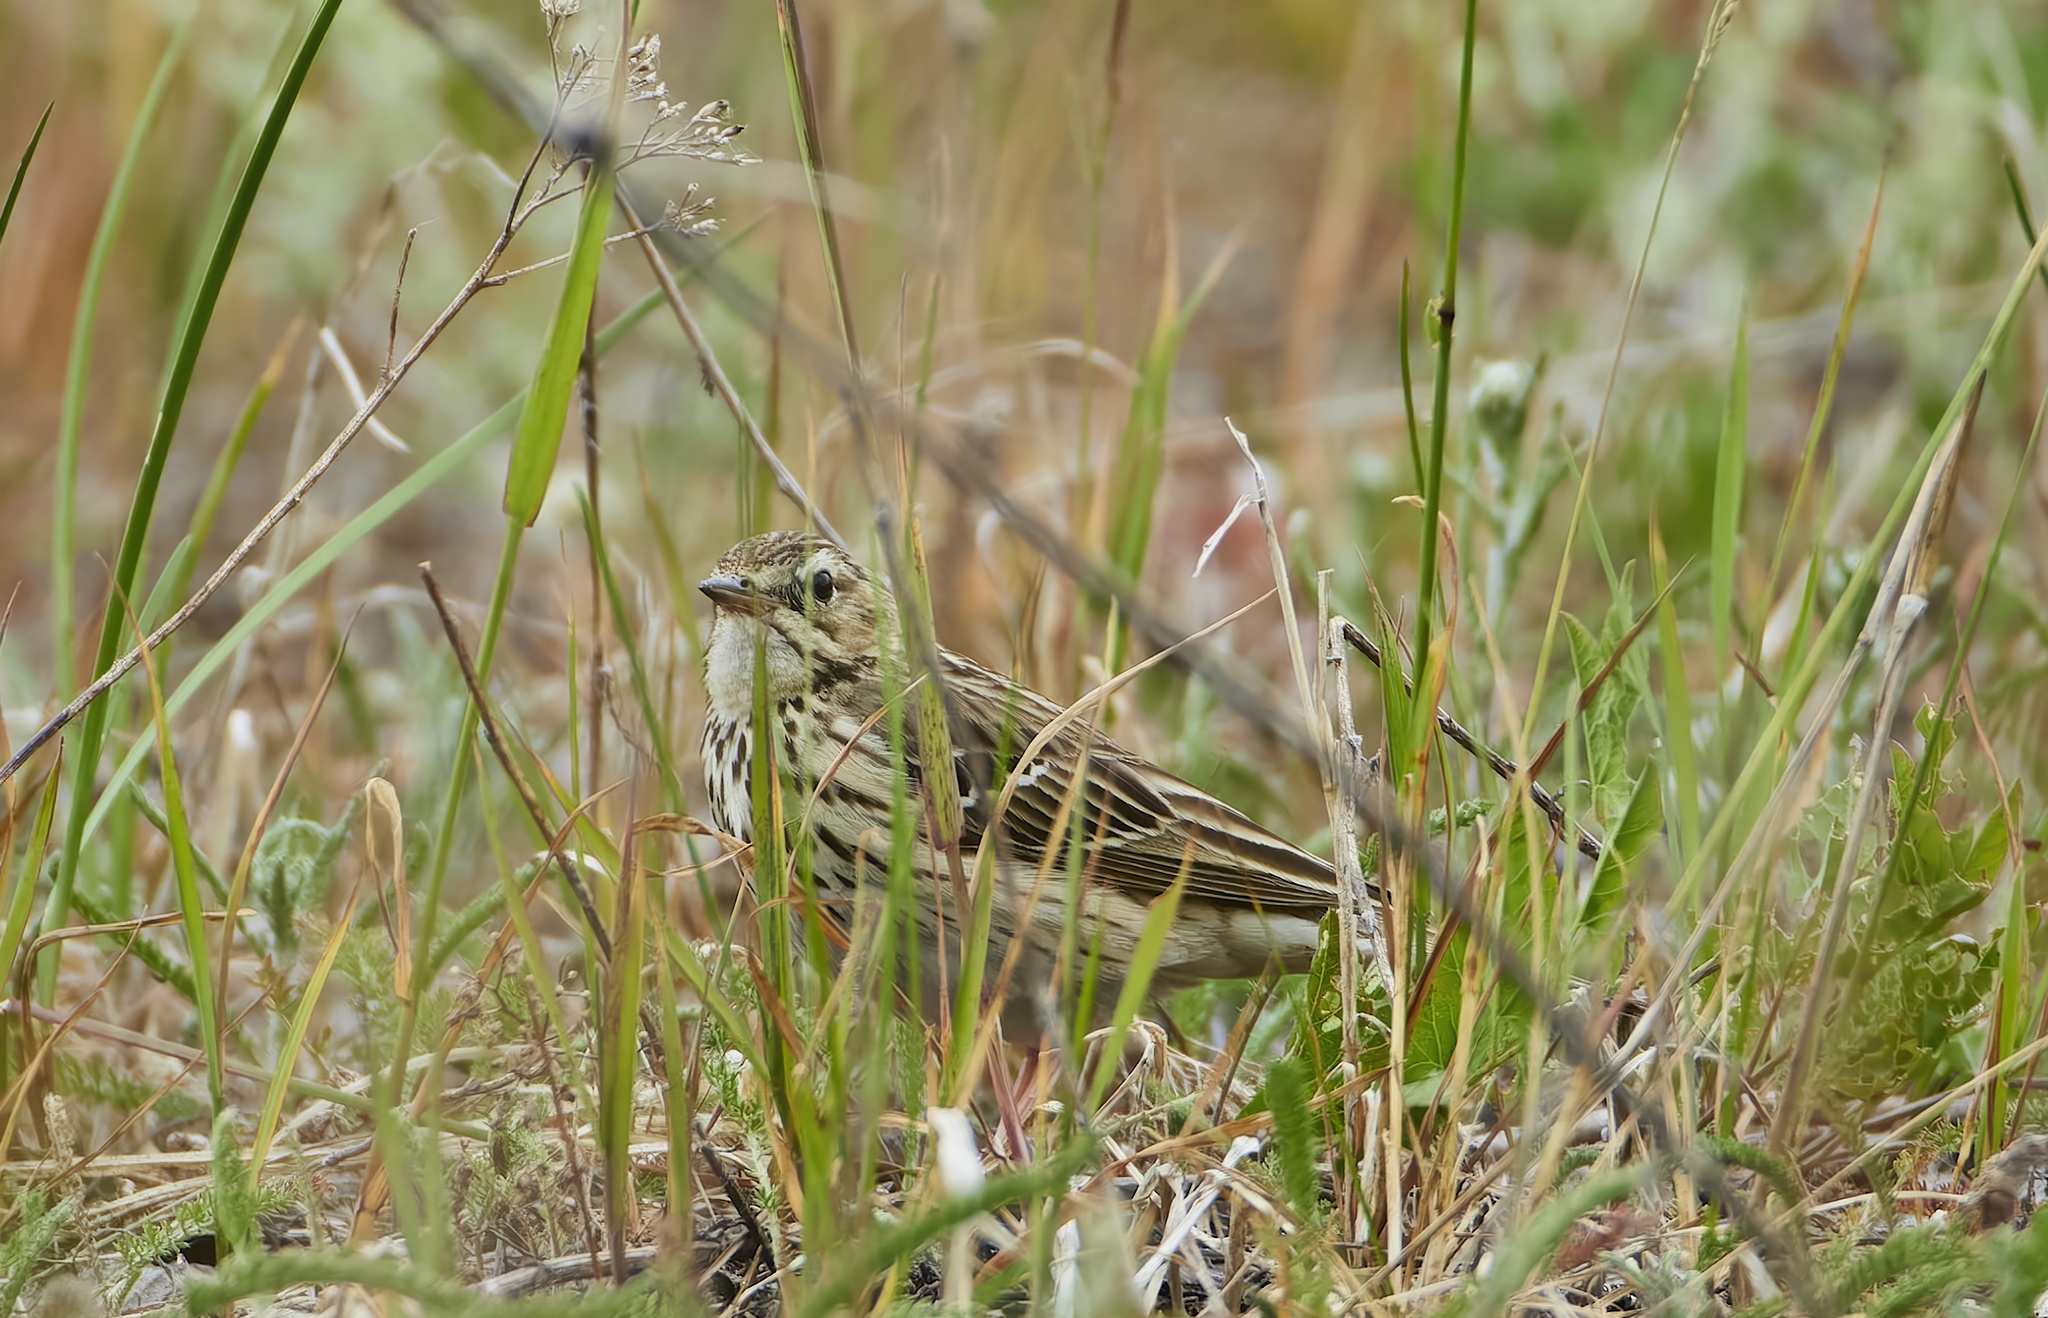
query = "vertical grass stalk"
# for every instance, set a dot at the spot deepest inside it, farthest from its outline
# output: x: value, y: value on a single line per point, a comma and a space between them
x: 1444, y: 311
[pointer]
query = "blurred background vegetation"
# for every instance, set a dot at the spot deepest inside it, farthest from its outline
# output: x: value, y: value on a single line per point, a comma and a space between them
x: 1082, y: 232
x: 1296, y: 153
x: 1299, y: 146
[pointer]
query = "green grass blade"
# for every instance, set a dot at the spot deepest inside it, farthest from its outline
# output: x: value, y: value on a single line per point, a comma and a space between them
x: 1685, y: 777
x: 1444, y: 310
x: 2026, y: 213
x: 1729, y: 470
x: 190, y: 337
x: 1718, y: 17
x: 804, y: 115
x: 161, y: 598
x: 248, y: 123
x: 554, y: 377
x: 18, y: 904
x: 1792, y: 698
x: 1141, y: 449
x: 1138, y: 980
x: 672, y: 782
x: 1401, y: 335
x: 675, y: 1091
x: 28, y: 154
x: 1823, y: 406
x: 191, y: 905
x: 295, y: 1037
x: 78, y: 370
x: 620, y: 1051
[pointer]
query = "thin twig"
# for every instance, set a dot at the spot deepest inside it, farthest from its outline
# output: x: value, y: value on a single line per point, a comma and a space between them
x: 1503, y: 767
x: 737, y: 1197
x: 489, y: 721
x: 508, y: 276
x: 720, y: 384
x: 515, y: 217
x: 397, y: 290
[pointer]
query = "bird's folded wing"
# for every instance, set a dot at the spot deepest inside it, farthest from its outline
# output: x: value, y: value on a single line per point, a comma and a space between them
x: 1140, y: 825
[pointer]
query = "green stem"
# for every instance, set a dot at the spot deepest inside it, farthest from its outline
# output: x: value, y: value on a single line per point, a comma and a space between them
x: 1408, y: 385
x: 1445, y: 311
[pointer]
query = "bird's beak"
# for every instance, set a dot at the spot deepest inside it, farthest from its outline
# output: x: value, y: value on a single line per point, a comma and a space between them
x: 730, y: 593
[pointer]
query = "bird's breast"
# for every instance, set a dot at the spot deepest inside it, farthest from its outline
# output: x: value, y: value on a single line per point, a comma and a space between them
x: 728, y: 768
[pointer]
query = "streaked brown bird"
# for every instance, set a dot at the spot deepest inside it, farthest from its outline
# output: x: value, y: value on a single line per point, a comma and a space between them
x: 799, y: 610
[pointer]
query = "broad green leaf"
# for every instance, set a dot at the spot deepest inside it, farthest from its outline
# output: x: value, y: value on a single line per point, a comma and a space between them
x: 1500, y: 1030
x: 1620, y: 694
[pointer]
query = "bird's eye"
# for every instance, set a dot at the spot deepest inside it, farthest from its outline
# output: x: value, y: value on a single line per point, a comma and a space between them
x: 821, y: 587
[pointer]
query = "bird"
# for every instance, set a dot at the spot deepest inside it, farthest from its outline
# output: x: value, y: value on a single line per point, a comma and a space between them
x: 799, y: 613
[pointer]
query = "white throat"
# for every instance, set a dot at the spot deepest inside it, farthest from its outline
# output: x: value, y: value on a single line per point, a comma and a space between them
x: 729, y: 666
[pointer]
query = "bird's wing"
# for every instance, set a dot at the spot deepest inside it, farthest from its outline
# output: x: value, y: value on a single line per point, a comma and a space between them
x: 1140, y: 825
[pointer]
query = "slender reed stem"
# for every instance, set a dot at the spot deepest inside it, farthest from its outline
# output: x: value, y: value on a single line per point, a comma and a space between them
x: 1444, y: 309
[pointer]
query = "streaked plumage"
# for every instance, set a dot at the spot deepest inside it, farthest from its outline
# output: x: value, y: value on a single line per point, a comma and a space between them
x: 1250, y: 899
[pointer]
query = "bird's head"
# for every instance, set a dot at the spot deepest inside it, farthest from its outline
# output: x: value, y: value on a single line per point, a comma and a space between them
x: 799, y: 596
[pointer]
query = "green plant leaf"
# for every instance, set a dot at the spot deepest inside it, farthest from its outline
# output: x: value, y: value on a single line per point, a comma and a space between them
x: 1685, y: 782
x: 1294, y: 1135
x: 28, y: 153
x: 1141, y: 452
x: 554, y: 376
x: 1627, y: 844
